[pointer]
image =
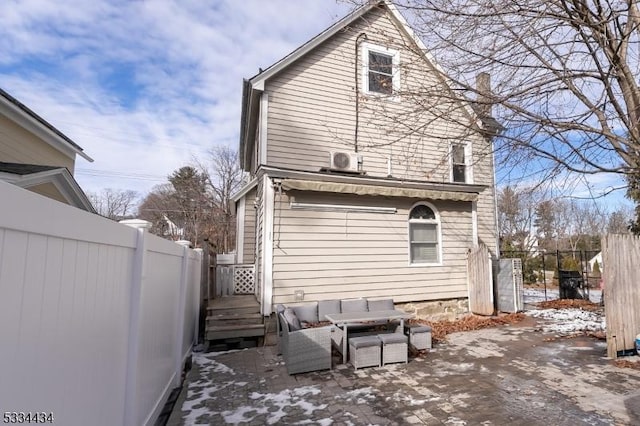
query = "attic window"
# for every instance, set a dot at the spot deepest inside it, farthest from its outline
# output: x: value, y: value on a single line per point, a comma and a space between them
x: 380, y: 73
x: 460, y: 168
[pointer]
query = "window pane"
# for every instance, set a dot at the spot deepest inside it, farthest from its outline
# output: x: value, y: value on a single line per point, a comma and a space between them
x: 380, y: 83
x: 457, y: 152
x: 424, y: 253
x: 423, y: 232
x: 422, y: 212
x: 458, y: 173
x: 380, y: 63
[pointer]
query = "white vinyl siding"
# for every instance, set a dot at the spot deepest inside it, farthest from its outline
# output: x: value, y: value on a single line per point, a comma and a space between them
x: 341, y: 254
x: 312, y: 110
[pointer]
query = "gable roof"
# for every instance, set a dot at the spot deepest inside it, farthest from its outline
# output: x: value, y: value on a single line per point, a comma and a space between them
x: 30, y: 175
x: 258, y: 80
x: 23, y: 115
x: 253, y: 87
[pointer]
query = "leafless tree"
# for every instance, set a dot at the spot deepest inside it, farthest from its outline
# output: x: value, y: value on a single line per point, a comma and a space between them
x: 565, y: 74
x: 223, y: 177
x: 517, y: 208
x: 565, y: 79
x: 619, y: 221
x: 158, y: 207
x: 114, y: 203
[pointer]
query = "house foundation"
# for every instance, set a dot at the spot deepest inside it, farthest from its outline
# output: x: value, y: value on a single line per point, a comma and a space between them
x: 437, y: 310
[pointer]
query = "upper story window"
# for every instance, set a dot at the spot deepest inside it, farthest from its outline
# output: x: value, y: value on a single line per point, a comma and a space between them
x: 424, y: 235
x: 460, y: 163
x: 380, y: 70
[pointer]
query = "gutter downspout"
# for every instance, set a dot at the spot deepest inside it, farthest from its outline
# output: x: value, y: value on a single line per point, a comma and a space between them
x: 361, y: 36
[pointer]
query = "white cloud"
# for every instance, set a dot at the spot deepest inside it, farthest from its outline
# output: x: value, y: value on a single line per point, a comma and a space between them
x: 143, y: 86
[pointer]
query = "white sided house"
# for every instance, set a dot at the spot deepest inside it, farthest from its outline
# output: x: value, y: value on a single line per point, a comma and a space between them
x: 368, y: 177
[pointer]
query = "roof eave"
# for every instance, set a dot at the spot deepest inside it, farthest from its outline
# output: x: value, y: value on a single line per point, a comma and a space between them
x: 25, y: 117
x: 62, y: 179
x: 248, y: 123
x: 258, y: 80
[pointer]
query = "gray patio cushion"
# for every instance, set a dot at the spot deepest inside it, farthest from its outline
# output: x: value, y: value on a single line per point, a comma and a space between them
x: 418, y: 328
x: 364, y: 341
x: 391, y: 338
x: 381, y: 305
x: 307, y: 313
x: 279, y: 308
x: 354, y: 305
x: 328, y: 307
x: 291, y: 318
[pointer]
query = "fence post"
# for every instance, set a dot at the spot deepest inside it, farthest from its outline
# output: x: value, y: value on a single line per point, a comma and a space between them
x: 137, y: 280
x: 198, y: 300
x: 181, y: 310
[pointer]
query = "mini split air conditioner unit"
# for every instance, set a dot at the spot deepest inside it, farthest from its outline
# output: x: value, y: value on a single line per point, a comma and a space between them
x: 344, y: 161
x: 509, y: 286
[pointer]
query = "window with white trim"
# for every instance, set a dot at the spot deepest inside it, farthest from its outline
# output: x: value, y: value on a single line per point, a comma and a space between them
x: 380, y: 70
x: 424, y: 235
x: 460, y: 164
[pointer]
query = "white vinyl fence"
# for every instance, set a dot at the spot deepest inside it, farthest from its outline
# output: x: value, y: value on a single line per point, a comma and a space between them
x: 96, y: 318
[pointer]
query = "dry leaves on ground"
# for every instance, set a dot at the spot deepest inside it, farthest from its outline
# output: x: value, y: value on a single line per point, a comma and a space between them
x: 568, y: 304
x: 621, y: 363
x: 440, y: 329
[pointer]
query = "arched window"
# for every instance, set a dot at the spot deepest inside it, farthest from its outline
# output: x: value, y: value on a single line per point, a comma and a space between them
x: 424, y: 235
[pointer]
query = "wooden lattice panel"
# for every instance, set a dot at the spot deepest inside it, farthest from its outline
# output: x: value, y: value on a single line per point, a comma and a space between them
x: 244, y: 279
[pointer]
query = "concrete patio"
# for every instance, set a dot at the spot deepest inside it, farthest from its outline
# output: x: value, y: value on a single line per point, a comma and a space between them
x: 515, y: 375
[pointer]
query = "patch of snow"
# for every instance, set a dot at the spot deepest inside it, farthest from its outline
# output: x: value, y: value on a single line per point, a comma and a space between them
x: 359, y: 396
x: 536, y: 295
x: 406, y: 400
x: 567, y: 321
x: 208, y: 365
x: 274, y: 405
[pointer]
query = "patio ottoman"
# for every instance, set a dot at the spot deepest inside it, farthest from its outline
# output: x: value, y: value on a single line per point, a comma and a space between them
x: 394, y: 348
x: 364, y: 351
x: 419, y: 336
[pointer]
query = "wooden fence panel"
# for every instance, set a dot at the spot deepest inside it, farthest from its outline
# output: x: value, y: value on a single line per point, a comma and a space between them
x: 621, y: 276
x: 479, y: 273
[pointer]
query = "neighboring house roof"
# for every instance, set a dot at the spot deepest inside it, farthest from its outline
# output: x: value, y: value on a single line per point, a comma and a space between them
x: 31, y: 176
x: 255, y: 85
x: 594, y: 259
x: 32, y: 121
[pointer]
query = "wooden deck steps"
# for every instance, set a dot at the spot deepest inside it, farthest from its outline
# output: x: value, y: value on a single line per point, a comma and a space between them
x: 232, y: 317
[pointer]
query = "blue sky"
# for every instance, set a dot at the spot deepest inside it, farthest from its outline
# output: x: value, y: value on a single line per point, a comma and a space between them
x: 146, y: 87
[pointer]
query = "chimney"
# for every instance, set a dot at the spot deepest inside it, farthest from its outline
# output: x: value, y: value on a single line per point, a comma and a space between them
x: 483, y: 95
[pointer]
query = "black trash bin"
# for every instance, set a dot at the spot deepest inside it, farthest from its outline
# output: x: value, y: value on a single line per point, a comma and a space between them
x: 570, y: 282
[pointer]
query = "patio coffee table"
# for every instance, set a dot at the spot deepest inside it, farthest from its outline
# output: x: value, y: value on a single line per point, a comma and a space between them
x: 344, y: 320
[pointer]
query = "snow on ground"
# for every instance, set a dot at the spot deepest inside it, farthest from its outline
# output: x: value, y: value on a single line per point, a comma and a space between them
x: 569, y: 321
x: 564, y: 321
x: 535, y: 295
x: 274, y: 405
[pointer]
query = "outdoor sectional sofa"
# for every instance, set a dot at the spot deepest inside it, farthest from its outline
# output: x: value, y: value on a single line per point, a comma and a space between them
x: 305, y: 337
